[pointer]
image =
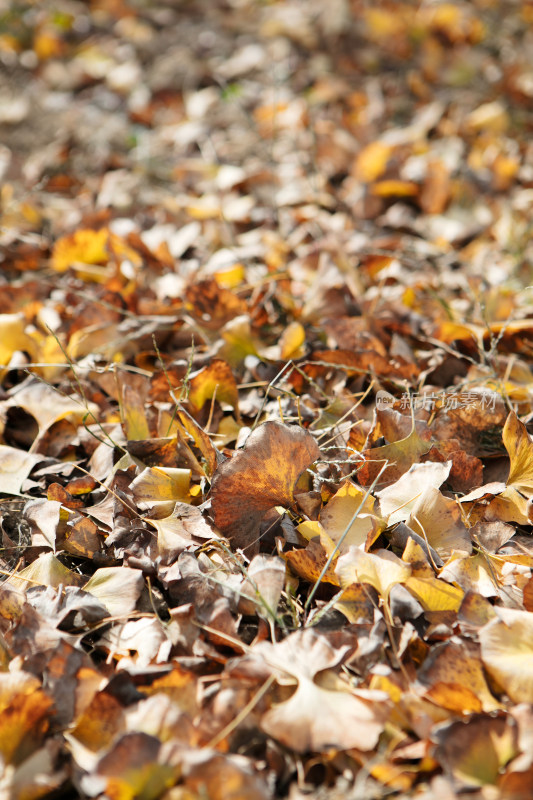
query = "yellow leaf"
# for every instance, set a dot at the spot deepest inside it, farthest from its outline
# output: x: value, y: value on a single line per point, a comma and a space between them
x: 13, y: 337
x: 85, y: 246
x: 259, y: 477
x: 476, y: 750
x: 383, y: 23
x: 215, y: 380
x: 438, y: 520
x: 159, y: 488
x: 394, y: 459
x: 395, y: 188
x: 45, y: 571
x: 435, y: 595
x: 309, y: 563
x: 292, y: 341
x: 117, y: 588
x: 135, y: 422
x: 488, y: 117
x: 239, y: 341
x: 382, y: 569
x: 206, y: 207
x: 520, y: 448
x: 231, y: 277
x: 338, y: 514
x: 24, y: 708
x: 372, y: 161
x: 397, y: 502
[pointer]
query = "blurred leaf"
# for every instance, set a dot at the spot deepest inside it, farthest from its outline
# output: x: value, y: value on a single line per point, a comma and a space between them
x: 506, y: 651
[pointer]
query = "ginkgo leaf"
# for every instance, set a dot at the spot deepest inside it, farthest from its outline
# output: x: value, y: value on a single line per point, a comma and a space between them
x: 434, y: 594
x: 117, y: 588
x: 309, y: 563
x: 292, y: 341
x: 86, y: 246
x: 15, y: 466
x: 266, y: 579
x: 48, y: 406
x: 201, y: 439
x: 372, y: 161
x: 338, y: 520
x: 382, y: 569
x: 23, y: 714
x: 133, y: 411
x: 397, y: 501
x: 214, y: 381
x: 181, y: 530
x: 507, y: 652
x: 159, y: 488
x: 438, y: 520
x: 46, y: 570
x: 476, y: 750
x: 260, y: 476
x: 310, y: 719
x: 454, y: 678
x: 131, y: 768
x: 388, y: 463
x: 475, y: 573
x: 13, y: 337
x: 519, y: 445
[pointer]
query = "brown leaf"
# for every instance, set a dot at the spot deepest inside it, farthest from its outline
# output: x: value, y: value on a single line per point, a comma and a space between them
x: 23, y: 710
x: 260, y: 476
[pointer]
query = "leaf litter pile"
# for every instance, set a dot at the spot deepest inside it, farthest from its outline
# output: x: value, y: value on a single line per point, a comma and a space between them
x: 266, y: 338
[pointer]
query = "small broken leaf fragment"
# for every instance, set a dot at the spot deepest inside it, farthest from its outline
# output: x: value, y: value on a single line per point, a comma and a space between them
x: 261, y: 475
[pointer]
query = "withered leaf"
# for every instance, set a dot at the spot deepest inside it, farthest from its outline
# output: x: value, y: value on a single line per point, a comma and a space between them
x: 260, y: 476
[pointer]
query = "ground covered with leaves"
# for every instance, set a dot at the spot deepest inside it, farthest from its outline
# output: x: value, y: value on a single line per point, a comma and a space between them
x: 266, y: 343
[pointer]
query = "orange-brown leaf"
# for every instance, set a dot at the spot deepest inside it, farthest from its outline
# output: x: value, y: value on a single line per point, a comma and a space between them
x: 260, y: 476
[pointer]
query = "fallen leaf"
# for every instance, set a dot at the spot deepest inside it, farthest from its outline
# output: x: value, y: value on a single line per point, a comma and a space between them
x: 117, y: 588
x: 15, y: 466
x: 158, y: 489
x: 310, y: 719
x: 506, y: 651
x: 262, y: 475
x: 520, y: 448
x: 215, y: 381
x: 382, y: 569
x: 398, y: 500
x: 391, y: 461
x: 23, y: 715
x: 475, y: 751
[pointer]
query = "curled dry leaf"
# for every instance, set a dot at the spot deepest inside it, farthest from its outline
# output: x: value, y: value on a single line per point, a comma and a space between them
x: 260, y: 476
